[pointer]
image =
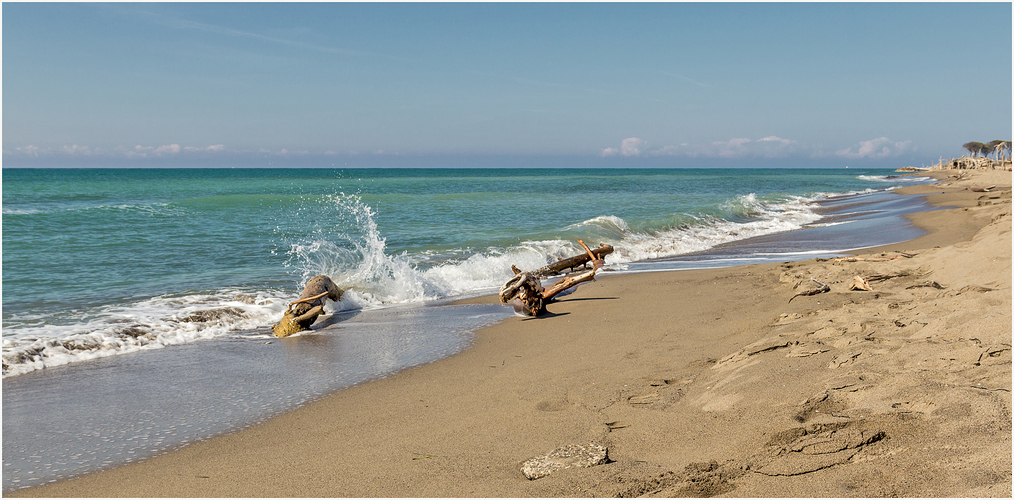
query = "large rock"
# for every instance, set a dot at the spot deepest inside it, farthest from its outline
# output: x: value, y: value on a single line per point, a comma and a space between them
x: 565, y: 457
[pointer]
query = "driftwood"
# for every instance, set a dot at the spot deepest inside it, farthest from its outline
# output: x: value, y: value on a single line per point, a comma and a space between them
x: 823, y: 289
x: 860, y: 283
x: 875, y: 259
x: 302, y: 312
x: 928, y: 284
x: 982, y: 190
x: 973, y: 163
x: 885, y: 277
x: 528, y: 295
x: 575, y: 261
x: 525, y: 290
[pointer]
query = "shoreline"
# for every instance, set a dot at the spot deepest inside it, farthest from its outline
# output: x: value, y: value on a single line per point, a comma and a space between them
x: 657, y: 367
x: 149, y: 418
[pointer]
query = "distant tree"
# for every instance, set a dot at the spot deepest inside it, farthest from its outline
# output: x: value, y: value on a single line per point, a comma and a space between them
x: 994, y: 148
x: 1005, y: 150
x: 974, y: 148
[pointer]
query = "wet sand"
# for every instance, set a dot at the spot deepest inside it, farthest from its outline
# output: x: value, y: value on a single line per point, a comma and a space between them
x: 701, y: 382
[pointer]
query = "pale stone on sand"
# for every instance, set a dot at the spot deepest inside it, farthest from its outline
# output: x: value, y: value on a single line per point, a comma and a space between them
x: 564, y: 457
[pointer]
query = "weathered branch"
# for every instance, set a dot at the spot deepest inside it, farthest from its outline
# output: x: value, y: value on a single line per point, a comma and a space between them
x: 860, y: 283
x: 526, y: 292
x: 567, y: 282
x: 573, y: 262
x: 309, y: 315
x: 823, y: 289
x: 874, y: 259
x: 308, y: 299
x: 928, y: 284
x: 885, y: 277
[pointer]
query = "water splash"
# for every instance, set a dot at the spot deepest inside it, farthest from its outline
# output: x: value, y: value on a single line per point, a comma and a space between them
x: 345, y: 244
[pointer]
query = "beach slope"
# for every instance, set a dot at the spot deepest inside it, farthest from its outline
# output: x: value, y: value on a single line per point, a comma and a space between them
x: 727, y: 382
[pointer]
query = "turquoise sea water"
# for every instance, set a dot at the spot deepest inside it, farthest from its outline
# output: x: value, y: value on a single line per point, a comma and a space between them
x: 107, y: 261
x: 137, y: 303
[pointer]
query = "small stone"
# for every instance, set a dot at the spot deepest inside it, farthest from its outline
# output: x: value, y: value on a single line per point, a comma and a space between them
x: 565, y: 457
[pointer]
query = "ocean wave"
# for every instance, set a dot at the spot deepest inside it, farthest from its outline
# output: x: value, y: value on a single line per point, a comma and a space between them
x: 374, y: 278
x: 894, y: 178
x: 345, y: 243
x: 21, y: 211
x: 747, y: 217
x: 358, y: 261
x: 148, y: 324
x: 146, y: 208
x: 605, y: 225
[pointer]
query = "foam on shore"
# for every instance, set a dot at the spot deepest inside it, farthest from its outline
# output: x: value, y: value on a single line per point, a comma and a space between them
x: 349, y: 247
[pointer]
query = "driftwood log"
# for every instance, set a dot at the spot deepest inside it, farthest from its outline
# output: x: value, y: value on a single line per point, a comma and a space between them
x: 881, y: 258
x: 528, y: 295
x: 860, y: 283
x: 572, y: 263
x: 823, y: 289
x: 302, y: 312
x: 973, y: 163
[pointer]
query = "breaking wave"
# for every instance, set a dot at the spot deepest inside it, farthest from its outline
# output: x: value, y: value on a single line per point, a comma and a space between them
x: 894, y: 178
x: 345, y: 243
x: 149, y: 324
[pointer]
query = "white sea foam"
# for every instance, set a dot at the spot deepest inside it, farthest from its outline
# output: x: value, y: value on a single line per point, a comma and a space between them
x: 893, y: 178
x: 149, y: 324
x: 874, y: 178
x: 608, y: 226
x: 768, y: 218
x: 21, y: 211
x: 150, y: 208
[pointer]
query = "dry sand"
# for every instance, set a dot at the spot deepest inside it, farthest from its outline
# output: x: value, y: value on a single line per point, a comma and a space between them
x: 707, y: 382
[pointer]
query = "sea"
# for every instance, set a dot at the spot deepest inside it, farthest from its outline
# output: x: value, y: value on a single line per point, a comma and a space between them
x: 137, y: 303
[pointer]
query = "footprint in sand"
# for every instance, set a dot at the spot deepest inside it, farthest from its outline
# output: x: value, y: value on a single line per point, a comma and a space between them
x: 659, y: 395
x: 557, y: 405
x: 804, y: 450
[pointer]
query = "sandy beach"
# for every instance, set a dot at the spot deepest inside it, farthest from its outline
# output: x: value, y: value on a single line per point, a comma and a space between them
x: 722, y: 382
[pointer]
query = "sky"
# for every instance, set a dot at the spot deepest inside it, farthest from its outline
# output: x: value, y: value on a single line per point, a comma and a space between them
x: 505, y: 84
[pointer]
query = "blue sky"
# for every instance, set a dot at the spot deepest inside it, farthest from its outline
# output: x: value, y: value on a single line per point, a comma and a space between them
x: 602, y: 84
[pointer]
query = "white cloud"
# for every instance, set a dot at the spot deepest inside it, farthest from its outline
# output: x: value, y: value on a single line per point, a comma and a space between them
x: 732, y: 148
x: 138, y: 151
x: 28, y: 150
x: 881, y: 147
x: 775, y: 139
x: 771, y: 146
x: 167, y: 149
x: 215, y: 147
x: 77, y: 150
x: 631, y: 146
